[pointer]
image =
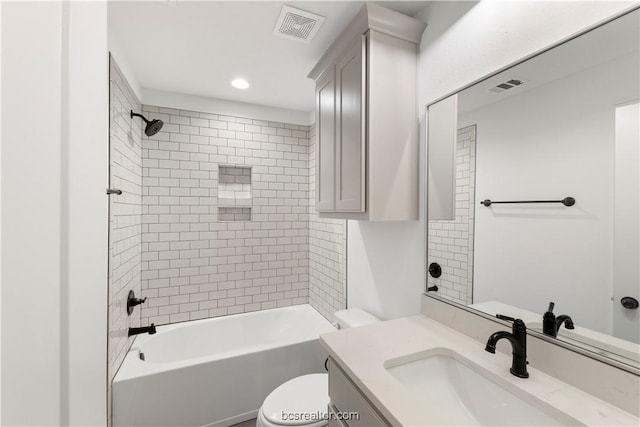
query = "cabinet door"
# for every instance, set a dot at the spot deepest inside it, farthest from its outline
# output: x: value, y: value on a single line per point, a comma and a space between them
x: 348, y: 399
x: 350, y: 129
x: 325, y: 141
x: 333, y: 418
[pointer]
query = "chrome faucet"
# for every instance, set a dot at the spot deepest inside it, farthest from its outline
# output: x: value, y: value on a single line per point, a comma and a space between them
x: 518, y: 339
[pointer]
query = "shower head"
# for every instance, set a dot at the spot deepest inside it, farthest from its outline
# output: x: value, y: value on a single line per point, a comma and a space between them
x: 152, y: 127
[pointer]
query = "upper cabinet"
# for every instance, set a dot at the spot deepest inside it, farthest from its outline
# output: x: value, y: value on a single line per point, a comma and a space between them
x: 366, y: 119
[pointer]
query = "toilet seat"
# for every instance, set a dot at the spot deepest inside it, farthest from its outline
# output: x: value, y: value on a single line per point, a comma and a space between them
x: 307, y: 394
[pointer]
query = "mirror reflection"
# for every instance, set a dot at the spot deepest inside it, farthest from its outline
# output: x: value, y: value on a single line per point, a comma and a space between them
x: 534, y: 192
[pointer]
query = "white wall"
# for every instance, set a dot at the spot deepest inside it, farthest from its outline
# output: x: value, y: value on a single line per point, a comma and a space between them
x: 0, y: 228
x: 224, y: 107
x: 385, y: 267
x: 463, y: 42
x: 84, y: 226
x: 489, y: 35
x: 31, y: 87
x: 549, y: 142
x: 54, y: 117
x: 125, y: 68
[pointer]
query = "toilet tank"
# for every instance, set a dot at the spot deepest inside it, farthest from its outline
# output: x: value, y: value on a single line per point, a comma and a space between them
x: 353, y: 317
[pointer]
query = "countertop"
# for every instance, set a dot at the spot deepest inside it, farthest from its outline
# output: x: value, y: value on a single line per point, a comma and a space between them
x: 362, y: 352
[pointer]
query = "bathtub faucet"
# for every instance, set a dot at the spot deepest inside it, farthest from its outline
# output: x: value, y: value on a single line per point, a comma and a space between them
x: 143, y: 330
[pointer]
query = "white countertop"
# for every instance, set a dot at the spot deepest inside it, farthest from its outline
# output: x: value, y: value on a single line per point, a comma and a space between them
x: 362, y: 351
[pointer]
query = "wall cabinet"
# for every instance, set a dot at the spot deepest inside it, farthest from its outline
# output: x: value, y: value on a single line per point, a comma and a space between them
x: 325, y: 133
x: 366, y: 119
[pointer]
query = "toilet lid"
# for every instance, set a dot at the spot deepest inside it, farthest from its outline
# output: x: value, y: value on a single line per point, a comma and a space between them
x: 300, y: 401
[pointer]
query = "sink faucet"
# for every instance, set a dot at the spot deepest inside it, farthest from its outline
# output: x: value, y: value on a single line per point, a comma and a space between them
x: 552, y: 324
x: 563, y: 318
x: 143, y: 330
x: 518, y: 339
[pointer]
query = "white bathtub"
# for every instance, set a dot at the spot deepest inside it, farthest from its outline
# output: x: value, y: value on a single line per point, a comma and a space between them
x: 216, y: 372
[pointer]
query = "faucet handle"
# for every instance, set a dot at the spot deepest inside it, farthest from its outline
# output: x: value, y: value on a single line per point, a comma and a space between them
x: 132, y: 301
x: 518, y: 324
x: 551, y: 305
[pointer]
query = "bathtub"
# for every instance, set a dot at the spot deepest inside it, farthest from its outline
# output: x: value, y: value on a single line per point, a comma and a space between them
x: 216, y: 372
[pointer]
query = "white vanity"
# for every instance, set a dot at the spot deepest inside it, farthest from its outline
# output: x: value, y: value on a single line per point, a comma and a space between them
x: 416, y: 371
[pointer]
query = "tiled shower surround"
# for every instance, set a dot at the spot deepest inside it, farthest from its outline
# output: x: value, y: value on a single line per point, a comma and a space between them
x: 451, y: 242
x: 327, y: 252
x: 125, y: 214
x: 227, y: 226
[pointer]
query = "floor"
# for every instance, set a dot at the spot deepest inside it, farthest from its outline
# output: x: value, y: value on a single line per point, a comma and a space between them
x: 248, y: 423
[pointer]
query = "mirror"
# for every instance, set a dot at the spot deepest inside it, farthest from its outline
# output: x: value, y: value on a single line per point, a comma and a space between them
x: 546, y: 192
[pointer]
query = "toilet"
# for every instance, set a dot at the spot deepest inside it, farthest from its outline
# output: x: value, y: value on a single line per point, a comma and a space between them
x: 302, y: 401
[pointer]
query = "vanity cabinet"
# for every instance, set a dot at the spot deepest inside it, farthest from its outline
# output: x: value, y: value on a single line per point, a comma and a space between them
x: 366, y: 119
x: 333, y: 418
x: 345, y: 398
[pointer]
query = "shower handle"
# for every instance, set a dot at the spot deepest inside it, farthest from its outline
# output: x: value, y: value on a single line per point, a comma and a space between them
x: 132, y: 301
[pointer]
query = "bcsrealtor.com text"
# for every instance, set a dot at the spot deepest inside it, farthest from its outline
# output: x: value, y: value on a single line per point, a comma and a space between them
x: 319, y: 415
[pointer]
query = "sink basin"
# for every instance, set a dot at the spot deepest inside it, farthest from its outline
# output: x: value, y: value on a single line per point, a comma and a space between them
x: 452, y: 385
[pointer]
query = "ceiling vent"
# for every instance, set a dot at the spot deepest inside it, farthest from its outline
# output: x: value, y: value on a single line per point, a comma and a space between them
x: 296, y: 24
x: 509, y: 84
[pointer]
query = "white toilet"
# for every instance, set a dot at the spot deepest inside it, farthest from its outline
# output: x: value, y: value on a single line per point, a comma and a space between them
x: 302, y: 401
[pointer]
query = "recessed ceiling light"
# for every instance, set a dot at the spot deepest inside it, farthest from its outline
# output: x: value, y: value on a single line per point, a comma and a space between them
x: 240, y: 84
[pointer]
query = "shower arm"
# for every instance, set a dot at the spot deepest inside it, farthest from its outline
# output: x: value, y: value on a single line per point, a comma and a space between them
x: 139, y: 115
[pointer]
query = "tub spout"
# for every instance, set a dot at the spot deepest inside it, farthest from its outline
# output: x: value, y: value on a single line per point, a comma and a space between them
x: 143, y: 330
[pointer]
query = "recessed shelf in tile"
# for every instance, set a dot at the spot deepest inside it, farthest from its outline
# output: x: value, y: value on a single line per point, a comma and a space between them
x: 234, y: 193
x: 226, y: 214
x: 234, y: 182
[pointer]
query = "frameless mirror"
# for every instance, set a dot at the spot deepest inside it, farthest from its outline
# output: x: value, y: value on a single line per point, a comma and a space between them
x: 546, y: 192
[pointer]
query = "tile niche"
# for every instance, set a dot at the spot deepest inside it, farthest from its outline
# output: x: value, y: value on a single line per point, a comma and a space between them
x: 234, y: 193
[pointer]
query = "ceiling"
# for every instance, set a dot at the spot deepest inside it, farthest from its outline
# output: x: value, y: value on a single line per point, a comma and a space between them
x: 197, y: 48
x: 609, y: 42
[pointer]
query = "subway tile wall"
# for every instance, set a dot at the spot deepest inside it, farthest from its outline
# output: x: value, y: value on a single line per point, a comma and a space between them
x: 202, y: 258
x: 125, y: 214
x: 327, y: 252
x: 450, y: 243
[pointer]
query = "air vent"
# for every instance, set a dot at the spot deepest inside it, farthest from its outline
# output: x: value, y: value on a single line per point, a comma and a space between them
x: 296, y: 24
x: 509, y: 84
